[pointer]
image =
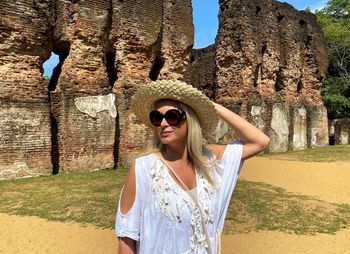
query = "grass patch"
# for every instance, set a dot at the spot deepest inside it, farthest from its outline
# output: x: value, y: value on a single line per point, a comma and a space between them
x: 91, y: 198
x: 317, y: 154
x: 80, y: 197
x: 259, y: 206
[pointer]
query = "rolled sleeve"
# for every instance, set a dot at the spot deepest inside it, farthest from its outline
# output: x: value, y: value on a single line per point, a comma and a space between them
x: 128, y: 225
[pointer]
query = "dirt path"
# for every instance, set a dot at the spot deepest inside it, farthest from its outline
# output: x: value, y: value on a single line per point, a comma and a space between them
x: 31, y: 235
x: 327, y: 181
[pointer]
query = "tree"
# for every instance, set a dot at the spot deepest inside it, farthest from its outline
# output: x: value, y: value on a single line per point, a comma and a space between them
x: 335, y: 22
x: 338, y: 9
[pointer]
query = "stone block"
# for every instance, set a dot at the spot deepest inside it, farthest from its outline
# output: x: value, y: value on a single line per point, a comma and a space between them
x: 256, y: 116
x: 279, y: 131
x: 341, y: 131
x: 317, y: 126
x: 299, y: 127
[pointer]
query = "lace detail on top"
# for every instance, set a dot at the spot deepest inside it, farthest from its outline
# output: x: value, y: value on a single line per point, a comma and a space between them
x: 194, y: 193
x: 171, y: 201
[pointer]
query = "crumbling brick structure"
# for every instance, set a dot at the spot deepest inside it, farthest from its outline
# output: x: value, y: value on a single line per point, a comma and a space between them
x: 106, y: 49
x: 267, y: 64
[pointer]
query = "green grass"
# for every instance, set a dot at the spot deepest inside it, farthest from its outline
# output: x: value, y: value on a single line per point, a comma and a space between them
x: 81, y: 197
x: 91, y: 198
x: 259, y: 206
x: 319, y: 154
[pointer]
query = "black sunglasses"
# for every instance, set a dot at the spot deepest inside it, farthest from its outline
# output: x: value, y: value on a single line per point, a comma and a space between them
x: 172, y: 116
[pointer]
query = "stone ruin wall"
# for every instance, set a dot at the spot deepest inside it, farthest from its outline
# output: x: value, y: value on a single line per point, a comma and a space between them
x: 80, y: 120
x: 267, y: 64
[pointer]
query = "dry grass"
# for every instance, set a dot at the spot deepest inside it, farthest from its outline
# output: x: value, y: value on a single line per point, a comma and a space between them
x: 81, y: 197
x: 92, y: 198
x: 319, y: 154
x: 259, y: 206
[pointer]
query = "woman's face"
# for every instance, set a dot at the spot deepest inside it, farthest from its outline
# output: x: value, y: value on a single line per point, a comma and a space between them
x: 167, y: 133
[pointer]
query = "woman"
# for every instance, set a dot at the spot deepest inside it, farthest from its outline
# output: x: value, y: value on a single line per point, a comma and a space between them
x: 175, y: 199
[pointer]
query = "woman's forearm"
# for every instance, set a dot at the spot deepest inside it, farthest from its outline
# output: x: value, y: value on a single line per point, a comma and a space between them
x: 126, y: 246
x: 254, y: 139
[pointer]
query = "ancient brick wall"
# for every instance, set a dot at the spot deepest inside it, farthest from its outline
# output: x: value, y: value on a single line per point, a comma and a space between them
x: 267, y: 64
x: 270, y: 48
x: 80, y: 120
x: 270, y: 60
x: 201, y: 72
x: 156, y: 44
x: 25, y: 129
x: 81, y: 31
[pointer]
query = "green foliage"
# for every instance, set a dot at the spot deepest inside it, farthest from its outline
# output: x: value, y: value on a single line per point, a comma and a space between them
x: 339, y: 9
x: 336, y: 95
x: 335, y: 22
x: 46, y: 81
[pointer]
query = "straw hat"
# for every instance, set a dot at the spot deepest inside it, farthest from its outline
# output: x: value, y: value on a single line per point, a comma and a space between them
x: 145, y: 97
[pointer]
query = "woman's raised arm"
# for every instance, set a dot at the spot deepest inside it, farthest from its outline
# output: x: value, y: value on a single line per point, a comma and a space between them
x: 254, y: 140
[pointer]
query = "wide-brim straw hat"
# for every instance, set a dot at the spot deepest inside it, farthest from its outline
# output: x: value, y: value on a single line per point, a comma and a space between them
x: 145, y: 97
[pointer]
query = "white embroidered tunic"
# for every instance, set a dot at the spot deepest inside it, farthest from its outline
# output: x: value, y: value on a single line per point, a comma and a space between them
x: 165, y: 220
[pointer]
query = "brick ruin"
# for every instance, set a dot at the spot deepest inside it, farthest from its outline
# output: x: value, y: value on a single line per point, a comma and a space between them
x: 267, y: 64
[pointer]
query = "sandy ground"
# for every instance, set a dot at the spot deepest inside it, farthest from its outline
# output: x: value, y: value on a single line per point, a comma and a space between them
x: 327, y: 181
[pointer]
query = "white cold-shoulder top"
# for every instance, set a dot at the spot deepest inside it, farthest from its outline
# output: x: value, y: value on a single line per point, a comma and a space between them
x: 165, y: 220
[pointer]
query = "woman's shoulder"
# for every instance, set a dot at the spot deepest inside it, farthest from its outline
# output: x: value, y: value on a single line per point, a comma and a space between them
x: 145, y: 157
x: 145, y: 160
x: 220, y: 149
x: 217, y: 150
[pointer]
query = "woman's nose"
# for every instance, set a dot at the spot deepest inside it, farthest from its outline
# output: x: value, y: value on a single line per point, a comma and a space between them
x: 164, y: 123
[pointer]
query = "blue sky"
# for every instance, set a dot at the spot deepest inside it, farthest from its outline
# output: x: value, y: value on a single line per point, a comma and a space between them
x: 205, y: 19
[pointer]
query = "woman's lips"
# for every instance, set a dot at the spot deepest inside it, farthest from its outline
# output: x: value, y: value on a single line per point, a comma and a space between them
x: 165, y: 133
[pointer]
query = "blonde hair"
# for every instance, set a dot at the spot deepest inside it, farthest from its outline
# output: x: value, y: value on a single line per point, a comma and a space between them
x: 197, y: 152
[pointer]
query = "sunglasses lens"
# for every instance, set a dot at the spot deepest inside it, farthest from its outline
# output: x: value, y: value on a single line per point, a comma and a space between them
x: 156, y: 118
x: 173, y: 117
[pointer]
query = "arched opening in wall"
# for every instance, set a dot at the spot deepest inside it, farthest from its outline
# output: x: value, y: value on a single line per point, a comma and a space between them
x: 299, y: 86
x: 156, y: 68
x: 112, y: 72
x: 206, y: 22
x: 56, y: 71
x: 111, y: 68
x: 48, y: 67
x: 52, y: 70
x: 50, y: 64
x: 55, y: 155
x: 279, y: 86
x: 331, y: 140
